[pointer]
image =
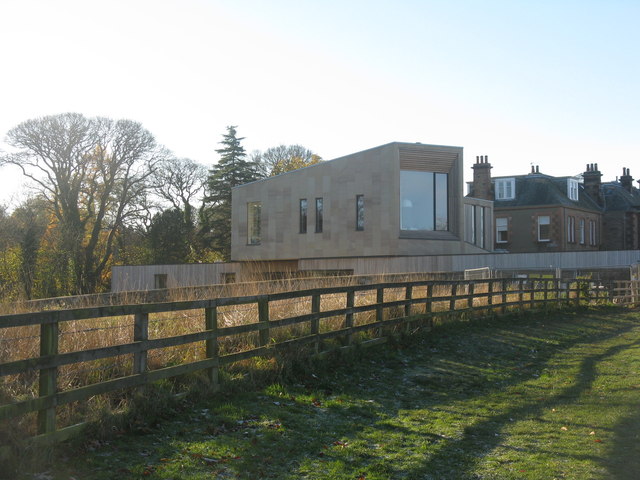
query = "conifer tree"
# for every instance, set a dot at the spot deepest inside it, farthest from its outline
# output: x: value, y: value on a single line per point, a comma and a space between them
x: 232, y: 169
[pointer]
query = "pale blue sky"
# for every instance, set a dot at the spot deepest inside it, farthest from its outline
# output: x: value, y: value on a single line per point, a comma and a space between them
x: 550, y: 83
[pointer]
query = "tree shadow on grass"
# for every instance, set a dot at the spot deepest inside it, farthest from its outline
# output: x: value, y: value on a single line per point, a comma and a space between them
x: 450, y: 365
x: 459, y: 457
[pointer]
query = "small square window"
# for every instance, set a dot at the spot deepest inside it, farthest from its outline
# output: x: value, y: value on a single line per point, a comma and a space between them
x: 160, y: 281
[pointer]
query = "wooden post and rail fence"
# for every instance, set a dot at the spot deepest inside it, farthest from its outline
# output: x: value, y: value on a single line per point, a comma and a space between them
x: 366, y: 315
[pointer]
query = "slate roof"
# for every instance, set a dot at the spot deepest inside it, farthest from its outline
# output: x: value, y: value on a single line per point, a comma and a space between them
x: 540, y: 189
x: 617, y: 198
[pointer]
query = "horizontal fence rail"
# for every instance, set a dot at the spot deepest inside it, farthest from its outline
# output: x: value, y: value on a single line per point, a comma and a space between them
x: 322, y: 319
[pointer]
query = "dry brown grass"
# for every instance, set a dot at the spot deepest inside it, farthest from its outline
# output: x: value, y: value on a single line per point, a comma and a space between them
x: 80, y: 335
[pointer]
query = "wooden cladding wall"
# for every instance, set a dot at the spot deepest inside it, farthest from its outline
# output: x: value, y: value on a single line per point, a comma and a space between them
x: 440, y: 161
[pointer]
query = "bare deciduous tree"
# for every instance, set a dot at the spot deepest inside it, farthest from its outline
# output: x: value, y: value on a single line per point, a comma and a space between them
x: 93, y: 173
x: 284, y: 158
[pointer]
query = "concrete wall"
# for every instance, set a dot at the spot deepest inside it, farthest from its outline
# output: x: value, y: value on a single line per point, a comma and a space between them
x: 373, y: 173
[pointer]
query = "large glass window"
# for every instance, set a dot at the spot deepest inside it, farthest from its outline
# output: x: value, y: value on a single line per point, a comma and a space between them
x: 423, y: 200
x: 319, y: 214
x: 254, y: 210
x: 502, y: 230
x: 303, y: 215
x: 360, y: 212
x: 544, y: 228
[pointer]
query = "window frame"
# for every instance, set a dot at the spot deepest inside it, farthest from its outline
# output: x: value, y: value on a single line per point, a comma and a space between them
x: 540, y: 229
x: 359, y: 213
x: 160, y: 281
x: 499, y: 229
x: 319, y: 214
x: 571, y: 229
x: 254, y: 223
x: 505, y: 188
x: 303, y: 215
x: 592, y: 233
x: 573, y: 189
x: 435, y: 218
x: 581, y: 232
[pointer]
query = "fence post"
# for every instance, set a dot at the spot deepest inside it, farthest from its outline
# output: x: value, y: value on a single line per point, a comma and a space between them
x: 263, y: 318
x: 211, y: 325
x: 315, y: 321
x: 520, y: 294
x: 348, y: 319
x: 490, y: 296
x: 472, y: 291
x: 452, y: 301
x: 140, y: 334
x: 379, y: 308
x: 408, y: 295
x: 503, y: 285
x: 49, y: 335
x: 428, y: 305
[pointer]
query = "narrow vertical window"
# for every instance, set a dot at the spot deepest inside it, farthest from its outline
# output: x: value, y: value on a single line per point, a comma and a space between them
x: 571, y: 229
x: 592, y: 232
x: 470, y: 223
x: 544, y: 228
x: 319, y: 213
x: 254, y: 210
x: 581, y: 231
x: 480, y: 219
x: 303, y: 215
x: 441, y: 195
x: 502, y: 230
x: 359, y: 212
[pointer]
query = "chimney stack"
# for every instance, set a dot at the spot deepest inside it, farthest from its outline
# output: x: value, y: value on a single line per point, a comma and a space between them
x: 626, y: 180
x: 592, y: 181
x: 482, y: 178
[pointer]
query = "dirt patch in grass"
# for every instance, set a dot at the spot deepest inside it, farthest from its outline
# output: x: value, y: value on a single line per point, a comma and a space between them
x: 520, y: 397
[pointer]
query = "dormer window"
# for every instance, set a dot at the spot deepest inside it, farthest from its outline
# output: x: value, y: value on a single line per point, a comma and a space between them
x: 572, y: 189
x: 505, y: 188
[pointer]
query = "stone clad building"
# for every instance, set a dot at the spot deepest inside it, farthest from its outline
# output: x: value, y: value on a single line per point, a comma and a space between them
x: 395, y: 199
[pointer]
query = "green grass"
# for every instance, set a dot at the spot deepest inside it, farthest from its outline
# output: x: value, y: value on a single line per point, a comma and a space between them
x: 529, y: 397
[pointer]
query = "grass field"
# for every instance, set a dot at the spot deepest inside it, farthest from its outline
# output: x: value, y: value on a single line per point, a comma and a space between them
x: 531, y: 397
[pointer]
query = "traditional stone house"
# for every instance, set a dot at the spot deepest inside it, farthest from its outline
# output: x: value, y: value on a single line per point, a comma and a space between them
x: 538, y: 212
x: 620, y: 202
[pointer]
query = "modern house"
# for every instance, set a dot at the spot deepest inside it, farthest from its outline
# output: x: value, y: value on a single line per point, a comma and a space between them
x: 392, y: 200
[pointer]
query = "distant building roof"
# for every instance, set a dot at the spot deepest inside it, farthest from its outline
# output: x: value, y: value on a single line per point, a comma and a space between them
x: 617, y: 198
x: 541, y: 189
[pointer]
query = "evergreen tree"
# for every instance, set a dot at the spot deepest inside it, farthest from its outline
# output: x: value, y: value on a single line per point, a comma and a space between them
x: 232, y: 169
x: 168, y: 237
